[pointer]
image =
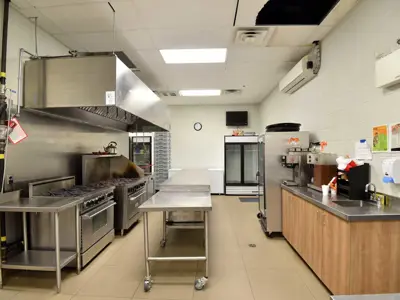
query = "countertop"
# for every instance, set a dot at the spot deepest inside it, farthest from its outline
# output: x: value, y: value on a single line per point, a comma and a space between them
x: 368, y: 297
x: 188, y: 180
x: 178, y: 201
x: 40, y: 204
x: 360, y: 213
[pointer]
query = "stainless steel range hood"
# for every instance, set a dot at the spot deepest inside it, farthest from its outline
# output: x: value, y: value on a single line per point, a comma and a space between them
x: 96, y: 90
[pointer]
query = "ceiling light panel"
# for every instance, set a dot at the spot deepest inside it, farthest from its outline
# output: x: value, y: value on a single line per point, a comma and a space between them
x: 194, y: 56
x: 199, y: 93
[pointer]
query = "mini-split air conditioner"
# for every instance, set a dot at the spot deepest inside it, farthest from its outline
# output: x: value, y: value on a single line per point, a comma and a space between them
x: 387, y: 70
x: 302, y: 73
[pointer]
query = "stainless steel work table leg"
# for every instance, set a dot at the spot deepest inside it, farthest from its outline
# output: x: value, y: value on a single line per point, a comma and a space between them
x: 164, y: 238
x: 147, y: 279
x: 199, y: 283
x: 57, y: 242
x: 78, y: 239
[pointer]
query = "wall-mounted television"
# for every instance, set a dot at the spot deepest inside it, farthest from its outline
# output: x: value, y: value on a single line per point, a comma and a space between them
x: 236, y: 118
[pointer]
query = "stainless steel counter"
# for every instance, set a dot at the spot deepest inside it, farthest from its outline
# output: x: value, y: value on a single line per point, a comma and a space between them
x: 359, y: 213
x: 40, y: 204
x: 175, y: 201
x: 187, y: 191
x: 42, y: 260
x: 368, y: 297
x: 188, y: 180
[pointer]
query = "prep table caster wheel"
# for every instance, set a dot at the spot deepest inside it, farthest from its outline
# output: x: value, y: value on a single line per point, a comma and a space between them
x: 259, y: 215
x: 162, y: 243
x: 147, y: 285
x: 199, y: 284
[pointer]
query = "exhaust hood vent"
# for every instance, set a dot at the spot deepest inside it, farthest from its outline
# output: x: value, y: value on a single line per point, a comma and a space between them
x: 256, y: 37
x: 99, y: 90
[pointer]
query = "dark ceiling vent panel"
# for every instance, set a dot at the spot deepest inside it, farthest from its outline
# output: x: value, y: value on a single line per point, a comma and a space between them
x: 294, y: 12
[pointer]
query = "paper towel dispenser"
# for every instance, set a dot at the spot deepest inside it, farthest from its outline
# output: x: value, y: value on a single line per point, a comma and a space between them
x: 391, y: 170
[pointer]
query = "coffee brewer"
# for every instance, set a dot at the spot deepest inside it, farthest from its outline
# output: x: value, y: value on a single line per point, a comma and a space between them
x: 296, y: 159
x: 324, y: 168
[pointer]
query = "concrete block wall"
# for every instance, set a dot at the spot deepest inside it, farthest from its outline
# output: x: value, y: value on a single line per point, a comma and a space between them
x: 342, y: 104
x: 205, y: 148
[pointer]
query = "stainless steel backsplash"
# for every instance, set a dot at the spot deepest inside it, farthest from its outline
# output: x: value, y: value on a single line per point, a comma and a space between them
x: 54, y: 147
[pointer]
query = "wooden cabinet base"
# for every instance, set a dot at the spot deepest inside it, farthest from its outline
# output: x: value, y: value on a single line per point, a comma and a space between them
x: 375, y: 257
x: 349, y: 257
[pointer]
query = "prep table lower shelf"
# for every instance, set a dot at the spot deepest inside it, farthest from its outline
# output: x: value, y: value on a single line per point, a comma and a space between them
x: 38, y: 260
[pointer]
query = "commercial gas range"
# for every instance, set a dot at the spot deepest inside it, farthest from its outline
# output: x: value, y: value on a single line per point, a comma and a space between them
x: 97, y: 217
x: 129, y: 193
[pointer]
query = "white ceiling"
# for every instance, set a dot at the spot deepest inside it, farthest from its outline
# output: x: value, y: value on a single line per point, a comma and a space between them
x: 145, y: 26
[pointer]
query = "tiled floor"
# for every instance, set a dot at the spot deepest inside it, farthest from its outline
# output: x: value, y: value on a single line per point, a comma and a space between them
x: 271, y: 270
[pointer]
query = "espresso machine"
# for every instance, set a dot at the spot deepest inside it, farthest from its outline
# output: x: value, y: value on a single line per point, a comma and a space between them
x: 296, y: 159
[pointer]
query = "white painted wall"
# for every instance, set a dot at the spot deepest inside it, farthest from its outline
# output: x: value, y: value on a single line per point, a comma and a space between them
x: 342, y: 104
x: 205, y: 148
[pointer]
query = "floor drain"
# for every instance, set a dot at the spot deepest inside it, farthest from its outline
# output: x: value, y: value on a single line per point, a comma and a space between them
x: 252, y: 245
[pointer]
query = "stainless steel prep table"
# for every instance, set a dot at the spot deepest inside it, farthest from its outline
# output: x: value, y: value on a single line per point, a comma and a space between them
x: 41, y: 260
x: 187, y: 192
x: 185, y: 181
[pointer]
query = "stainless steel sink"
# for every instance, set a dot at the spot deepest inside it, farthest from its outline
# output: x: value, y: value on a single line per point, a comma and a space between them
x: 353, y: 203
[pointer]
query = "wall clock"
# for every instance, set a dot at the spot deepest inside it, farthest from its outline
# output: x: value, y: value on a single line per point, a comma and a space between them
x: 197, y: 126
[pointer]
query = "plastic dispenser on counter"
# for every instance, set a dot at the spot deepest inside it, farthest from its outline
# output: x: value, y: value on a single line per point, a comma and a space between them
x: 391, y: 170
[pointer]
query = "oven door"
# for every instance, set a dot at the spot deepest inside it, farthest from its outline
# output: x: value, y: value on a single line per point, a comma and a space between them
x: 135, y: 200
x: 96, y: 224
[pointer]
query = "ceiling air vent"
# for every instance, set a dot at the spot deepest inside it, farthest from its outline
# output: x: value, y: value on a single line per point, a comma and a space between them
x: 166, y: 93
x: 231, y: 92
x: 256, y: 37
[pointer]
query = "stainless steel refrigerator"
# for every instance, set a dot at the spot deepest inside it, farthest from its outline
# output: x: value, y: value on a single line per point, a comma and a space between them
x: 241, y: 165
x: 271, y: 174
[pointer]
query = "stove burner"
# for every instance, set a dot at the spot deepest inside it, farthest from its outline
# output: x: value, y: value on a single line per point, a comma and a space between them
x: 114, y: 181
x: 77, y: 190
x: 80, y: 190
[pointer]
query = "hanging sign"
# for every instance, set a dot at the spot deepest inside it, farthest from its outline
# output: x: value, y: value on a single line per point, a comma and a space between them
x: 17, y: 134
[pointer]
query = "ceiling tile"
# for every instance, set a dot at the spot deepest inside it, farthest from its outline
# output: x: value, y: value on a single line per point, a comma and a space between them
x: 338, y: 12
x: 90, y: 17
x: 183, y: 13
x: 288, y: 36
x: 319, y: 33
x: 254, y: 55
x: 19, y: 4
x: 126, y: 15
x: 97, y: 41
x: 47, y: 3
x: 43, y: 22
x: 139, y: 39
x: 181, y: 38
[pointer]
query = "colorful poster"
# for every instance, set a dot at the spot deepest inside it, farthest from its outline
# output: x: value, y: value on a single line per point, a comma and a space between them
x: 395, y: 137
x: 380, y: 138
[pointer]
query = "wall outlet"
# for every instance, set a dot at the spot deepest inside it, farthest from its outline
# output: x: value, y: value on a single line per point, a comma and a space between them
x: 10, y: 179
